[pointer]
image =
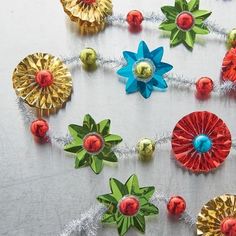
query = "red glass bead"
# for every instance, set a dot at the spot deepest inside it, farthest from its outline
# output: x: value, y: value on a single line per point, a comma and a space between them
x: 229, y: 66
x: 204, y: 85
x: 39, y: 128
x: 176, y: 205
x: 93, y: 143
x: 228, y: 227
x: 44, y: 78
x: 89, y: 1
x: 134, y: 18
x: 185, y: 21
x: 129, y: 206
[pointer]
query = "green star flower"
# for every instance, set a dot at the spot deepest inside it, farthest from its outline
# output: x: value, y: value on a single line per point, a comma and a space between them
x: 128, y: 204
x: 184, y: 21
x: 92, y: 143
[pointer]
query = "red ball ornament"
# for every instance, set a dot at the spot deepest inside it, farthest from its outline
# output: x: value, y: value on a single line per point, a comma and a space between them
x: 89, y: 1
x: 93, y: 143
x: 185, y: 21
x: 134, y: 18
x: 129, y: 206
x: 176, y: 205
x: 204, y: 85
x: 44, y: 78
x: 39, y: 128
x: 228, y: 227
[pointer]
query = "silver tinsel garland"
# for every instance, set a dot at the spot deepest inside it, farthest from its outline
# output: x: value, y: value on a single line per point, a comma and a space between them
x: 89, y: 222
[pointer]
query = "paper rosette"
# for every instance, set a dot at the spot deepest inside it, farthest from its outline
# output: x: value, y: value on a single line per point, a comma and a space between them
x: 89, y: 14
x: 201, y: 141
x: 229, y: 66
x: 51, y: 96
x: 213, y: 215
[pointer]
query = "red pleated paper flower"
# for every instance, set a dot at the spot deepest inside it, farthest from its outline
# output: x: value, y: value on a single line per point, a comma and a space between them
x: 201, y: 141
x: 229, y: 66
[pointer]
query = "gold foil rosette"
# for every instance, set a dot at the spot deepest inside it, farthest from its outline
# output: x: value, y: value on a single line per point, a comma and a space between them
x: 218, y: 217
x: 42, y: 81
x: 90, y: 15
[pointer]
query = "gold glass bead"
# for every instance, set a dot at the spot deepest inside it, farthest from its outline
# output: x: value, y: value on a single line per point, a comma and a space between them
x: 143, y: 70
x: 88, y: 56
x: 145, y: 149
x: 231, y: 39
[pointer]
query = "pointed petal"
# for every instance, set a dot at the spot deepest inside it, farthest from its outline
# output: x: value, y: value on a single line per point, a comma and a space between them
x: 145, y: 89
x: 112, y: 140
x: 77, y: 132
x: 96, y: 164
x: 81, y: 159
x: 107, y: 199
x: 148, y: 191
x: 73, y: 147
x: 108, y: 155
x: 157, y: 54
x: 149, y: 209
x: 130, y: 57
x: 193, y: 5
x: 89, y: 123
x: 103, y: 127
x: 118, y: 189
x: 167, y: 25
x: 132, y: 184
x: 125, y: 71
x: 190, y: 38
x: 139, y: 223
x: 143, y: 51
x: 170, y: 12
x: 177, y: 37
x: 201, y: 29
x: 201, y: 14
x: 131, y: 85
x: 159, y: 82
x: 123, y: 225
x: 163, y: 68
x: 181, y: 5
x: 108, y: 218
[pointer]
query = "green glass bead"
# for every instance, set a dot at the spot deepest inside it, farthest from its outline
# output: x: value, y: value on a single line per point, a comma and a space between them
x: 145, y: 149
x: 231, y: 39
x: 88, y: 56
x: 143, y: 70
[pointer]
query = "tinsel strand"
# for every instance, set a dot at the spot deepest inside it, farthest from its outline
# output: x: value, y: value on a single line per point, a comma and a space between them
x: 87, y: 224
x: 215, y: 28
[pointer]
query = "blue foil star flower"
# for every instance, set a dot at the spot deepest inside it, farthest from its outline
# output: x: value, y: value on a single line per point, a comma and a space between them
x: 144, y: 70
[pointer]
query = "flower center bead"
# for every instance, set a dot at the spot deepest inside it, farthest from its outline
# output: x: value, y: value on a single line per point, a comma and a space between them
x: 129, y: 206
x: 143, y: 70
x: 89, y: 1
x: 44, y: 78
x: 93, y: 143
x: 185, y: 21
x: 202, y: 143
x: 228, y: 227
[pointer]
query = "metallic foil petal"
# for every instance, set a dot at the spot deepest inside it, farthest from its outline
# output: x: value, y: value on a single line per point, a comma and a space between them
x: 87, y: 28
x: 79, y: 10
x: 51, y: 97
x: 213, y: 213
x: 195, y: 124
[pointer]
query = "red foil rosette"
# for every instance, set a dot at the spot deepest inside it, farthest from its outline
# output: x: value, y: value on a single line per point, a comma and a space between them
x: 229, y: 66
x: 201, y: 141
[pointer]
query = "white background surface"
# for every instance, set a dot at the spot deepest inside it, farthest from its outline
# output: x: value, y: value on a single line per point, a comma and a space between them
x: 40, y: 191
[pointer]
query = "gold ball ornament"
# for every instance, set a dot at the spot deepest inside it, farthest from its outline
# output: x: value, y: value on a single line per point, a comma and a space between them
x: 231, y: 39
x: 88, y: 56
x: 145, y: 149
x: 143, y: 70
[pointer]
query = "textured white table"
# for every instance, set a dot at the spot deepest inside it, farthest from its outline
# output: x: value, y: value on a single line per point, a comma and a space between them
x: 40, y: 191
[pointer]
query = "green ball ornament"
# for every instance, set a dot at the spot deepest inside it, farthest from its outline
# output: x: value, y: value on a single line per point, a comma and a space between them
x: 231, y: 39
x: 145, y: 149
x: 143, y: 70
x: 88, y: 56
